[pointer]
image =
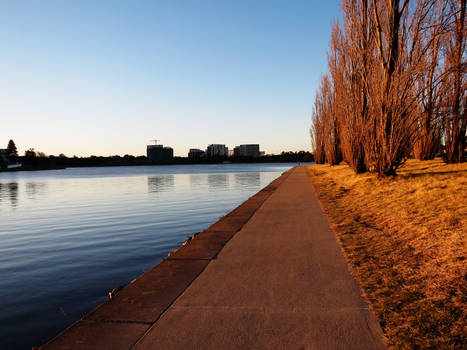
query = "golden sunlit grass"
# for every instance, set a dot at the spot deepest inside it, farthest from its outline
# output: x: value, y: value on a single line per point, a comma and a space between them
x: 405, y: 240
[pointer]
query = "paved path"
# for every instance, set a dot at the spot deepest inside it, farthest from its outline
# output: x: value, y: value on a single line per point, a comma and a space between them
x: 280, y: 283
x: 268, y: 275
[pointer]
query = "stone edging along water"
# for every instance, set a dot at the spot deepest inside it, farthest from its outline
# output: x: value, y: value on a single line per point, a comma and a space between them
x: 119, y: 322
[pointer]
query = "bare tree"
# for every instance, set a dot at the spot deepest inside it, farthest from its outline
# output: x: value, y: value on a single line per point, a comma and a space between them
x: 328, y: 111
x: 325, y: 129
x: 317, y: 134
x: 396, y: 28
x: 428, y: 85
x: 455, y: 84
x: 350, y: 77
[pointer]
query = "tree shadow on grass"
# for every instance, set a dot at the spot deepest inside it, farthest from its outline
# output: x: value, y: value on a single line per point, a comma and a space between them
x: 455, y: 173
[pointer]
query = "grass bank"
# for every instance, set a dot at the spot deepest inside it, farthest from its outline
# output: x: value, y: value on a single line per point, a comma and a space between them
x: 405, y: 239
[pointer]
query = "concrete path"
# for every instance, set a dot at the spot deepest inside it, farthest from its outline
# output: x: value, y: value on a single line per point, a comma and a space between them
x: 280, y: 283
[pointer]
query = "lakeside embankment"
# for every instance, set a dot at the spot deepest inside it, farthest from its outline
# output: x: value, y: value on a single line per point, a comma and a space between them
x: 78, y: 233
x: 270, y: 274
x: 405, y: 239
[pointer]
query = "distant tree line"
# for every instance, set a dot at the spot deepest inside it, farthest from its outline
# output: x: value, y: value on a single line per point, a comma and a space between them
x: 396, y: 85
x: 288, y: 157
x: 33, y: 160
x: 36, y: 160
x: 283, y: 157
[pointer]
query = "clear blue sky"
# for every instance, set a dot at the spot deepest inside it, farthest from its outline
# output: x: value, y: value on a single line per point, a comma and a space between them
x: 105, y: 77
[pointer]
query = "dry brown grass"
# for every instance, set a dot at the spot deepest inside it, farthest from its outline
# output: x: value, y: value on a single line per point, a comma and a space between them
x: 405, y: 240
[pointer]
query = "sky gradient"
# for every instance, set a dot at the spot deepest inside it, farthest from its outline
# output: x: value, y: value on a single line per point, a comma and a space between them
x: 105, y: 77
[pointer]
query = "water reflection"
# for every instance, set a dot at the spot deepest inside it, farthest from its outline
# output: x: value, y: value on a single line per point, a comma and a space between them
x: 197, y: 180
x: 10, y: 191
x: 33, y: 189
x: 247, y: 179
x: 218, y: 181
x: 160, y: 183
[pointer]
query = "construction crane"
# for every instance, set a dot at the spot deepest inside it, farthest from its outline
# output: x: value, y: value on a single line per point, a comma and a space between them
x: 155, y: 141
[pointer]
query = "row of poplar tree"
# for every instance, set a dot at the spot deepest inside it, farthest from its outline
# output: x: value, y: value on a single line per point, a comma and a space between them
x: 396, y: 85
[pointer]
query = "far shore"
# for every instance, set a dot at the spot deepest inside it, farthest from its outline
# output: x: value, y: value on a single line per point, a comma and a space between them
x: 57, y: 163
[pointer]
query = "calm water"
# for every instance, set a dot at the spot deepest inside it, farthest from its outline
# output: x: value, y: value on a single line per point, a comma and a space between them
x: 67, y: 237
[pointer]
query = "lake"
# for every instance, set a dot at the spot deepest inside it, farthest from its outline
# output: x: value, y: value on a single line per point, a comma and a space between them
x: 68, y: 237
